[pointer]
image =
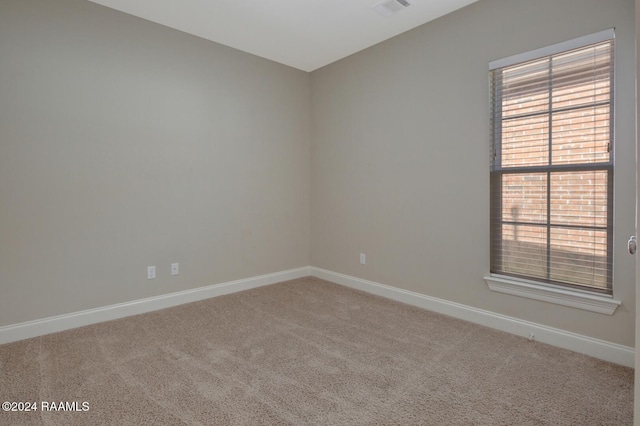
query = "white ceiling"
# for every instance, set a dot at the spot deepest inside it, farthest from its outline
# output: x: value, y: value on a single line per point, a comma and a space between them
x: 304, y: 34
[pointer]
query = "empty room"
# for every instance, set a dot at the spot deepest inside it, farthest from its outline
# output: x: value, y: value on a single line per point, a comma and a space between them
x: 318, y: 212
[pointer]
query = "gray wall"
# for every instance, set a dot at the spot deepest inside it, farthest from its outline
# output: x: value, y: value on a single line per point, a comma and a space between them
x: 636, y: 406
x: 400, y: 156
x: 125, y: 144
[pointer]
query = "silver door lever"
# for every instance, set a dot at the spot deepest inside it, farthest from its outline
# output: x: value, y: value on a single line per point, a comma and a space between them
x: 633, y: 245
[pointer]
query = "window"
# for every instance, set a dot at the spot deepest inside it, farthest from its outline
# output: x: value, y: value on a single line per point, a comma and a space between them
x: 552, y: 164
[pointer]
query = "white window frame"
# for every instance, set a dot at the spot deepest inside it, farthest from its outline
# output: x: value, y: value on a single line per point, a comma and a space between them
x: 557, y: 294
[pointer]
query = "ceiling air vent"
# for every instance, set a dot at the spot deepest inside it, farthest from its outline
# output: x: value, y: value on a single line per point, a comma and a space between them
x: 389, y: 7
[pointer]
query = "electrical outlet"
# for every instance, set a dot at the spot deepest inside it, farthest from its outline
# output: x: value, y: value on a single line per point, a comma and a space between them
x: 151, y: 272
x: 363, y: 258
x: 175, y: 268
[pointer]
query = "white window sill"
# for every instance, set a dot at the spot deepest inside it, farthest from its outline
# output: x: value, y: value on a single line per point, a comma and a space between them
x: 548, y: 293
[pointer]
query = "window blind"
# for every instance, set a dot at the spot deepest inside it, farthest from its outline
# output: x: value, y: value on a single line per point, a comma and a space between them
x: 552, y: 167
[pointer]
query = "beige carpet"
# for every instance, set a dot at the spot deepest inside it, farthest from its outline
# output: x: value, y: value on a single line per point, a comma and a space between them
x: 307, y: 352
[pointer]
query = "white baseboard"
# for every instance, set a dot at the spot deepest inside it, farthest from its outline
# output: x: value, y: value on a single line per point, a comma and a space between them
x: 25, y: 330
x: 612, y: 352
x: 601, y: 349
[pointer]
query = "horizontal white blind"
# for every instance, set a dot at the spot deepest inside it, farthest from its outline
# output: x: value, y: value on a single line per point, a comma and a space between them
x: 552, y: 168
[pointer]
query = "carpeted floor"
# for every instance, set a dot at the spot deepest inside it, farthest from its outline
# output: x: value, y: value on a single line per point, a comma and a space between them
x: 306, y: 352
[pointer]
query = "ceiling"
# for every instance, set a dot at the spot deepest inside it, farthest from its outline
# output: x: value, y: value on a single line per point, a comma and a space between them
x: 304, y: 34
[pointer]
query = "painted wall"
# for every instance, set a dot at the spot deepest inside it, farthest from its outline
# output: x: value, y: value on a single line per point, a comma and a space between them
x: 636, y: 411
x: 125, y: 144
x: 400, y: 156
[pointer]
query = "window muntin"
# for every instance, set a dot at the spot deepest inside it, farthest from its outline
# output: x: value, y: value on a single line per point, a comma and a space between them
x: 552, y: 168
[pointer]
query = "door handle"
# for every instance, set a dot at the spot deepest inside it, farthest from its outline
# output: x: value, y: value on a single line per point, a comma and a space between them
x: 632, y: 245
